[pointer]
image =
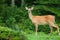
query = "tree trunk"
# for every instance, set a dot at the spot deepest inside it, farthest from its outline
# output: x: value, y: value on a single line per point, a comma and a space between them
x: 12, y: 3
x: 22, y: 3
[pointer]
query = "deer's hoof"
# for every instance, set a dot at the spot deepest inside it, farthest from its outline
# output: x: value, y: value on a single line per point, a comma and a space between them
x: 59, y: 33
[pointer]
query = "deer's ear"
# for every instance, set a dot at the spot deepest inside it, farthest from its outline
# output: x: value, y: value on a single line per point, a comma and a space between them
x: 26, y: 8
x: 32, y: 8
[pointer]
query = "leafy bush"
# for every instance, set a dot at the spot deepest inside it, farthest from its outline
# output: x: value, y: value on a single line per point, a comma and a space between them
x: 8, y: 33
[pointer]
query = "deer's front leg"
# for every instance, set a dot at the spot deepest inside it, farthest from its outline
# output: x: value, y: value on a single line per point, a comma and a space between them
x: 36, y: 28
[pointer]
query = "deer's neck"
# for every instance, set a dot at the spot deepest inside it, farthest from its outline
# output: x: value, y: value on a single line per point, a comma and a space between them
x: 30, y: 14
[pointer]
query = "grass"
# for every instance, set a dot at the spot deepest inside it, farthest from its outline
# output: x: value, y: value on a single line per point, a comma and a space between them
x: 43, y: 36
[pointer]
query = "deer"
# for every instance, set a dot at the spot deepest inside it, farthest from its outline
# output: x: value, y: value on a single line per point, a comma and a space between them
x: 42, y: 20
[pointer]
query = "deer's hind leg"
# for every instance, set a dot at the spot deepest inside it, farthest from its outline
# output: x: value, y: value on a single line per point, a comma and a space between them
x: 56, y: 26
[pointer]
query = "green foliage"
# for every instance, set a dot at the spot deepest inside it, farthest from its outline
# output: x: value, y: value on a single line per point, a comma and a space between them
x: 2, y: 1
x: 42, y: 36
x: 6, y: 33
x: 48, y: 1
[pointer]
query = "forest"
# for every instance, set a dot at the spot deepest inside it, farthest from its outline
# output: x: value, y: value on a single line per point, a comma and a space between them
x: 15, y: 23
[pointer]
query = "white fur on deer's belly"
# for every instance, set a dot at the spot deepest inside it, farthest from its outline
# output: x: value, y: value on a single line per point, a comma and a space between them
x: 40, y: 22
x: 44, y: 23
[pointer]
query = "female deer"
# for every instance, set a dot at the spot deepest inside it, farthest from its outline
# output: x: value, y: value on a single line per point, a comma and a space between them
x: 42, y: 20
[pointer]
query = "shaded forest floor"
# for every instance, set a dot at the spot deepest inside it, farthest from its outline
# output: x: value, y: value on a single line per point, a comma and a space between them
x: 43, y: 36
